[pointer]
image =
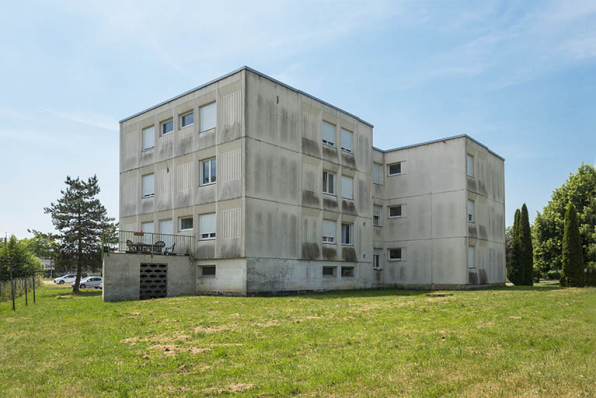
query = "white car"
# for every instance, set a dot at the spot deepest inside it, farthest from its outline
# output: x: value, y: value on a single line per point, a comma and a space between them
x: 90, y: 282
x: 68, y: 278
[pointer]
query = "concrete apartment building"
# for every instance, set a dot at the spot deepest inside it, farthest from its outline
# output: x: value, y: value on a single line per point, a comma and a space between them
x: 278, y: 191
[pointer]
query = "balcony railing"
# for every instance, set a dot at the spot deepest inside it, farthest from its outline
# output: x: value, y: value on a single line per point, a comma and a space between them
x: 148, y: 243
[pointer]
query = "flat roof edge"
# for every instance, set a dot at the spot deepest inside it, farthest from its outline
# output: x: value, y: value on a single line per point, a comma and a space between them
x: 257, y: 73
x: 440, y: 140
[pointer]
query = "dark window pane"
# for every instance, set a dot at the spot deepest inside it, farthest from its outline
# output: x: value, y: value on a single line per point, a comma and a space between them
x: 209, y: 270
x: 395, y: 168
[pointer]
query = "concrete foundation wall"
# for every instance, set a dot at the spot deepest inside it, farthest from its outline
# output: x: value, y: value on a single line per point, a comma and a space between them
x: 121, y: 275
x: 229, y: 278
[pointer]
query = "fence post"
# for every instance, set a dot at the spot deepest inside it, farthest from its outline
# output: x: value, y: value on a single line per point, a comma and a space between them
x: 12, y: 290
x: 26, y: 295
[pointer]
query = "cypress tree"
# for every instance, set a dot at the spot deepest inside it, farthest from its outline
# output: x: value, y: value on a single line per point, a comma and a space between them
x: 527, y: 253
x: 515, y: 272
x: 572, y: 273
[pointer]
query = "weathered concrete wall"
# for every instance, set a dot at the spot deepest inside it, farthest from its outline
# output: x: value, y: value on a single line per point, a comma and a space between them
x: 278, y: 275
x: 176, y: 160
x: 121, y: 275
x: 433, y: 230
x: 229, y: 278
x: 285, y: 203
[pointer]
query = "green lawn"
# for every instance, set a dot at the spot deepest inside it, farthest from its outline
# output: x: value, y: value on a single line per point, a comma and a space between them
x: 538, y: 341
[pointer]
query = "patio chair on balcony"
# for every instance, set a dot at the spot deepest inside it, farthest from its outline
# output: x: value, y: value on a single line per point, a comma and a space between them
x: 158, y: 247
x: 131, y: 246
x: 169, y: 250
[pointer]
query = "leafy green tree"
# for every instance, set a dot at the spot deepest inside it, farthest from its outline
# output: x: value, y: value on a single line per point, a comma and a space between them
x: 527, y: 253
x: 572, y: 273
x: 23, y: 262
x: 516, y: 271
x: 80, y: 219
x: 548, y: 230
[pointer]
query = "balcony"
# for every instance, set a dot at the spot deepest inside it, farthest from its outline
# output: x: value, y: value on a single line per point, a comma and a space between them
x: 148, y: 243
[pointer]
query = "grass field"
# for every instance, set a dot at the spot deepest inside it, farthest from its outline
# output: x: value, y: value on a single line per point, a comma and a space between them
x: 538, y: 341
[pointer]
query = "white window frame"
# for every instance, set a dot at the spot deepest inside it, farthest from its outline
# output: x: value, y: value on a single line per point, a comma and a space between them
x: 347, y: 133
x: 143, y: 182
x: 379, y: 180
x: 377, y: 218
x: 152, y: 135
x: 202, y: 127
x: 393, y: 164
x: 401, y: 254
x: 470, y: 166
x: 180, y: 229
x: 350, y: 241
x: 330, y: 240
x: 208, y: 235
x: 212, y: 177
x: 326, y: 185
x: 471, y: 211
x: 182, y: 116
x: 163, y: 124
x: 344, y: 181
x: 401, y: 211
x: 471, y: 257
x: 326, y: 141
x: 377, y: 260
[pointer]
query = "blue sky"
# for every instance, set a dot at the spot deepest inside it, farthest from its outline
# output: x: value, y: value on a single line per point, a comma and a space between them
x: 519, y: 76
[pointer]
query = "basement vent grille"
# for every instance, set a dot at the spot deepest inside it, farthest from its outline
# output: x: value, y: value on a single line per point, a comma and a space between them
x: 154, y: 281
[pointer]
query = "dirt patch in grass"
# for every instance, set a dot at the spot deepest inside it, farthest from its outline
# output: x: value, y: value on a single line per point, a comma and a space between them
x: 212, y: 329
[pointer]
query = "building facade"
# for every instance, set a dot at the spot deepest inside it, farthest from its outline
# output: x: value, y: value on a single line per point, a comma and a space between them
x: 278, y: 191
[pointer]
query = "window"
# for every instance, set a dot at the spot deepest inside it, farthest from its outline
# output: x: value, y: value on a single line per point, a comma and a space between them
x: 165, y: 227
x: 471, y: 211
x: 470, y: 165
x: 328, y: 183
x: 376, y: 261
x: 165, y: 232
x: 395, y: 211
x: 347, y: 187
x: 148, y: 186
x: 377, y: 215
x: 394, y: 169
x: 208, y: 270
x: 207, y: 226
x: 167, y: 127
x: 329, y: 271
x: 148, y: 138
x: 185, y: 224
x: 147, y: 228
x: 187, y: 119
x: 347, y: 234
x: 208, y: 114
x: 329, y: 231
x: 347, y: 272
x: 346, y: 141
x: 208, y: 172
x: 471, y: 256
x: 377, y: 174
x: 328, y: 134
x: 395, y: 254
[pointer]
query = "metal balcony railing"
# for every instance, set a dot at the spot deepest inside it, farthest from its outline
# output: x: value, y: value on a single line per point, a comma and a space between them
x: 148, y: 243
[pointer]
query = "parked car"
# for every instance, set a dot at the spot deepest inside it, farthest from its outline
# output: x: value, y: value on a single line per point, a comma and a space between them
x: 68, y: 278
x: 91, y: 282
x: 101, y: 286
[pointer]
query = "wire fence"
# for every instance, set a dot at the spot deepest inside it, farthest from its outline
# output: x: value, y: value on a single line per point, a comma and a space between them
x: 19, y: 285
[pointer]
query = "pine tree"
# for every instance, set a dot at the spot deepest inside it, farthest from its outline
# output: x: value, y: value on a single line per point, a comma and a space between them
x: 80, y: 219
x: 572, y: 273
x: 515, y: 272
x: 527, y: 253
